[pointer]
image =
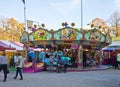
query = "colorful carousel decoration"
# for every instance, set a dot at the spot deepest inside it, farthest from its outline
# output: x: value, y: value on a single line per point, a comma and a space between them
x: 66, y: 39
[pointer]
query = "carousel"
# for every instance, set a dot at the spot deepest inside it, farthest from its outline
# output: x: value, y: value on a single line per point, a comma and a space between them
x: 83, y: 48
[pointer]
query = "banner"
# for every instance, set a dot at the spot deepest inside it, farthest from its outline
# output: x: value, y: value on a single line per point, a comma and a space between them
x: 29, y: 24
x: 32, y: 25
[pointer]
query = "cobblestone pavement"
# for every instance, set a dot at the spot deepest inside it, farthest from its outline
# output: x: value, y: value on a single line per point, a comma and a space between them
x: 101, y: 78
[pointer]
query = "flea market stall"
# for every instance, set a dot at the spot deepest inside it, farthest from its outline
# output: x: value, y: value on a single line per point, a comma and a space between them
x: 110, y: 53
x: 8, y: 50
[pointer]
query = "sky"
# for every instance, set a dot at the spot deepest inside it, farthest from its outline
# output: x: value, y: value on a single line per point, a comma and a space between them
x: 54, y: 12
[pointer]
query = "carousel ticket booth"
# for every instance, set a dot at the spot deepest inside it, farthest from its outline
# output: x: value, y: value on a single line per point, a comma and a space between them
x: 84, y: 49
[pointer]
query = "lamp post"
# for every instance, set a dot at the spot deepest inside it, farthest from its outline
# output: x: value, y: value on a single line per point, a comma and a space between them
x: 81, y: 15
x: 25, y: 17
x: 80, y: 48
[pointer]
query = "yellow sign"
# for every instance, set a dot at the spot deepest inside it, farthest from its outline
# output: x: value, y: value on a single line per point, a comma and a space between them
x: 116, y: 38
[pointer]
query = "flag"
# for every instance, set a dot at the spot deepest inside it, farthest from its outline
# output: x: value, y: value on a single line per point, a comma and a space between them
x: 23, y: 1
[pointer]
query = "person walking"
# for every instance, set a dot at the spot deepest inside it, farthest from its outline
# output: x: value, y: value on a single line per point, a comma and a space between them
x: 19, y: 67
x: 52, y: 57
x: 118, y: 59
x: 73, y: 59
x: 4, y: 65
x: 15, y: 59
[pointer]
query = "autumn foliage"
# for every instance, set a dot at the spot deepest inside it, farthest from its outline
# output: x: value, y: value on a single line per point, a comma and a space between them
x: 10, y: 29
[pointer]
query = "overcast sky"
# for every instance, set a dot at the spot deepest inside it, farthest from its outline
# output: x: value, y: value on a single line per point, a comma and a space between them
x: 53, y: 12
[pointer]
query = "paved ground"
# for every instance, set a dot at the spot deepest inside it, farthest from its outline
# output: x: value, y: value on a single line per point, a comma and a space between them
x: 101, y: 78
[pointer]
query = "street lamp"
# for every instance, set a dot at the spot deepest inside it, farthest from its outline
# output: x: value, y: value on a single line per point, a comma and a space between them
x: 81, y: 15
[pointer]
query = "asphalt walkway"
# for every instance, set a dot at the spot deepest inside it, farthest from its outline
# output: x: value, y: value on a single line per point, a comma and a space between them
x: 101, y: 78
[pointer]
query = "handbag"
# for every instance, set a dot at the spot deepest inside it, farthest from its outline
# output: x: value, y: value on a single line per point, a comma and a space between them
x: 7, y: 69
x: 0, y: 68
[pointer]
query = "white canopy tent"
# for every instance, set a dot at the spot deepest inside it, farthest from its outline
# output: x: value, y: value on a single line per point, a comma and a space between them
x: 113, y: 46
x: 10, y: 44
x: 115, y: 43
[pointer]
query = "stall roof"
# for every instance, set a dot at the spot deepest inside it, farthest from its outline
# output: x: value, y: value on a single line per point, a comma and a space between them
x: 17, y: 43
x: 10, y: 44
x: 4, y: 47
x: 108, y: 49
x: 113, y: 46
x: 115, y: 43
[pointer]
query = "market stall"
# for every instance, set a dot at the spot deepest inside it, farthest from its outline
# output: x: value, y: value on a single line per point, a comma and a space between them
x: 110, y: 53
x: 8, y: 50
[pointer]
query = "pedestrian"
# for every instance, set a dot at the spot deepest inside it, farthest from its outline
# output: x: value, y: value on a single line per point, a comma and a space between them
x: 118, y: 59
x: 73, y: 59
x: 4, y: 65
x: 52, y: 57
x: 19, y: 67
x: 61, y: 64
x: 15, y: 59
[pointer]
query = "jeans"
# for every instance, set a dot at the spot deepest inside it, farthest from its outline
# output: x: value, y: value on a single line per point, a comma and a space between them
x: 4, y: 68
x: 51, y: 66
x: 19, y: 70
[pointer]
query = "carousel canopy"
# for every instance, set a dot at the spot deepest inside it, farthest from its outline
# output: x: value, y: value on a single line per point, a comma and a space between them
x: 65, y: 36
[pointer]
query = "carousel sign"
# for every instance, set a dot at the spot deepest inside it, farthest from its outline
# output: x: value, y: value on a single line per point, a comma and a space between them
x: 24, y: 37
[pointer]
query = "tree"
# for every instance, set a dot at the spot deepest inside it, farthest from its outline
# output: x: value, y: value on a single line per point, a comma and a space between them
x: 114, y: 21
x: 10, y: 29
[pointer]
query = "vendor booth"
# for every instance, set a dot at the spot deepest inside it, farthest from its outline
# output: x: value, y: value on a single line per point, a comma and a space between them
x: 8, y: 50
x: 110, y: 53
